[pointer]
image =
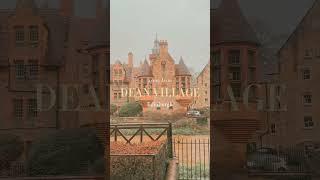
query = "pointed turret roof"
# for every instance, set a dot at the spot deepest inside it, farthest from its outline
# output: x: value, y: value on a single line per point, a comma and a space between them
x: 117, y: 62
x: 231, y: 24
x: 145, y: 69
x: 181, y: 68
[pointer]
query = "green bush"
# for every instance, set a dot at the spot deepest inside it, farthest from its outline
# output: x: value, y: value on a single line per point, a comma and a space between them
x: 130, y: 109
x: 11, y: 148
x: 113, y: 109
x: 65, y: 152
x: 202, y: 121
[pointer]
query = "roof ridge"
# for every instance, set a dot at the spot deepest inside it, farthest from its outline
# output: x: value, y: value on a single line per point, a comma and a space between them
x: 231, y: 24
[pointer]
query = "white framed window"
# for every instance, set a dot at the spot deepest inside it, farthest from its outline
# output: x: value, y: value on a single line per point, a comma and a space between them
x: 308, y: 122
x: 20, y: 69
x: 235, y: 75
x: 19, y: 35
x: 234, y: 57
x: 18, y: 109
x: 33, y: 67
x: 34, y: 33
x: 307, y: 99
x: 306, y: 74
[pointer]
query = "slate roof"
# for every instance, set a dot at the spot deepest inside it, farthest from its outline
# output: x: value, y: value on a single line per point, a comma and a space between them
x: 230, y: 25
x: 145, y: 69
x: 181, y: 68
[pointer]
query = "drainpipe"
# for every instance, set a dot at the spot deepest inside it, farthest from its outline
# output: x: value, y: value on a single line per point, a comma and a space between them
x: 58, y: 98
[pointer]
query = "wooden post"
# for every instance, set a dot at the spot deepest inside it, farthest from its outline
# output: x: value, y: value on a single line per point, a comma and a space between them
x: 169, y: 136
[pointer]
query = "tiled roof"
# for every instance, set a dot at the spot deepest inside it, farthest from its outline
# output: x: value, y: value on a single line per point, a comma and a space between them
x: 230, y: 25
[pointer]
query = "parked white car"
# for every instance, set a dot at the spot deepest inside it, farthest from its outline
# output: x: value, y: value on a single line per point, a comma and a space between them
x: 193, y: 113
x: 267, y: 162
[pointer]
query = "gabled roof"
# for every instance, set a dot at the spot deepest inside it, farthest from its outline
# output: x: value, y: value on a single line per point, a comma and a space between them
x: 295, y: 30
x: 181, y: 68
x: 230, y: 25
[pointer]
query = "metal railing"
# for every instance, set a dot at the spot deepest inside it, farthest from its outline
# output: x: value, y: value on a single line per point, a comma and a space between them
x: 193, y: 156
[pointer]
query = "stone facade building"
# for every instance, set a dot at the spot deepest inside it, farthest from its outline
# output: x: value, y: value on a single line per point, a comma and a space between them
x: 298, y: 121
x: 45, y: 46
x: 234, y: 67
x: 203, y: 83
x: 160, y: 71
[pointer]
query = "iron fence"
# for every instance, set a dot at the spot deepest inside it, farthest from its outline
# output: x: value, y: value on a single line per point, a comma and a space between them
x: 193, y: 156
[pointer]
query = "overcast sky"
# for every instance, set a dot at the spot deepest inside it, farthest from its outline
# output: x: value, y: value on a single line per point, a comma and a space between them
x: 185, y: 24
x: 282, y: 16
x: 84, y: 8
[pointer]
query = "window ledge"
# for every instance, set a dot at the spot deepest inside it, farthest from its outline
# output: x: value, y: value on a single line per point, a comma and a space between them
x: 307, y: 105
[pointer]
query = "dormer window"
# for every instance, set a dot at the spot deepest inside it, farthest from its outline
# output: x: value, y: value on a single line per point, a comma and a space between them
x: 19, y: 35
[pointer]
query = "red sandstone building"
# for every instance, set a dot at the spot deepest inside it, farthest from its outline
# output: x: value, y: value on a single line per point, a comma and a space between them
x: 159, y: 71
x: 234, y: 67
x: 44, y: 45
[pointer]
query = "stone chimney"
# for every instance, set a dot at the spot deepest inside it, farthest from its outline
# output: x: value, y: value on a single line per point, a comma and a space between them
x: 67, y: 8
x: 130, y: 59
x: 163, y: 46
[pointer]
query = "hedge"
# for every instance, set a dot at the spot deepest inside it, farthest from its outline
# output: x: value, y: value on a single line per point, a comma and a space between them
x: 66, y: 152
x: 130, y: 109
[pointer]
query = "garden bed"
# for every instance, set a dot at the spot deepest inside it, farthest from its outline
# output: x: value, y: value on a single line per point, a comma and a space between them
x: 138, y: 161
